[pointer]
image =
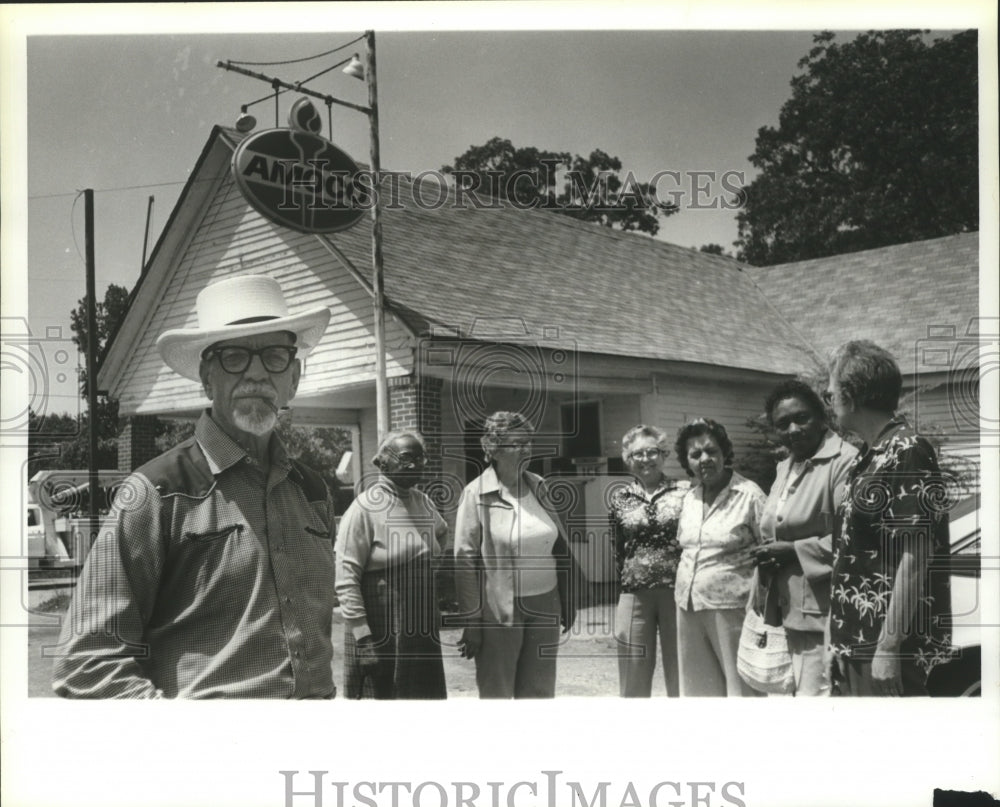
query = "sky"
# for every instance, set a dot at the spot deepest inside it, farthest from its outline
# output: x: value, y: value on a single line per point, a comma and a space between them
x: 128, y: 115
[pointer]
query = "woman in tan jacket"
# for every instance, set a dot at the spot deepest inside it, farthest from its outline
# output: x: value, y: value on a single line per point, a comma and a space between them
x: 512, y: 568
x: 796, y: 556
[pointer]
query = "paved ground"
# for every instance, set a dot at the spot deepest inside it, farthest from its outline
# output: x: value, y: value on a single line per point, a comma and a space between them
x: 587, y: 663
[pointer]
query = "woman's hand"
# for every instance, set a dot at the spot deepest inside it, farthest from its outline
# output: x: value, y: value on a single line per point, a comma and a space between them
x: 567, y: 620
x: 773, y: 554
x: 366, y: 652
x: 470, y: 643
x: 887, y: 676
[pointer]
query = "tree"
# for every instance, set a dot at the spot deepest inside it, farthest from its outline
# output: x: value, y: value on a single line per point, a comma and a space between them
x: 46, y: 435
x: 714, y: 249
x: 587, y: 188
x: 878, y: 145
x: 110, y: 313
x: 319, y: 448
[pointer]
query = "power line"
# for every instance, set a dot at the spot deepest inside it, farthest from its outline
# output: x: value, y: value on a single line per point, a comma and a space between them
x: 119, y: 188
x: 305, y: 59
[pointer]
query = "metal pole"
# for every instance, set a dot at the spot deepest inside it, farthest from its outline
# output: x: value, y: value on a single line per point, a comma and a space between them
x: 145, y: 238
x: 378, y: 281
x: 88, y: 197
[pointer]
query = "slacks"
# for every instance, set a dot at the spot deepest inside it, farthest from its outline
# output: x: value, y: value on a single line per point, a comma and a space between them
x: 404, y: 619
x: 519, y: 660
x: 641, y: 617
x: 808, y: 662
x: 707, y: 643
x: 854, y: 679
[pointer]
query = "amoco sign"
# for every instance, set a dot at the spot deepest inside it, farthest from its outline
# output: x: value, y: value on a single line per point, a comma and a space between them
x: 298, y: 179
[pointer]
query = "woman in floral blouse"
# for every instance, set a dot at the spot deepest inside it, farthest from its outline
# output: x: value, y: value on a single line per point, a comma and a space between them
x: 643, y: 518
x: 889, y: 592
x: 719, y: 526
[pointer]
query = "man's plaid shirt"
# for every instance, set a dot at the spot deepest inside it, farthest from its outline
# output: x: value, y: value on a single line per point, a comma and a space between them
x: 214, y: 582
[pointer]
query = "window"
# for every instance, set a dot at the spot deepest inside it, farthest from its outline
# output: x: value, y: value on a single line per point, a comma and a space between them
x: 581, y: 423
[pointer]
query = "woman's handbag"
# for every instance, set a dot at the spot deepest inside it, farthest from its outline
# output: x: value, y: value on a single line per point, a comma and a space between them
x: 763, y: 660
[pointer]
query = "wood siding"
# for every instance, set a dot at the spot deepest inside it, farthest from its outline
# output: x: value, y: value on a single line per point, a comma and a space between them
x: 232, y: 239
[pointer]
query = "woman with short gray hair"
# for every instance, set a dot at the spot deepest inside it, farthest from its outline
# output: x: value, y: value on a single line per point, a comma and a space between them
x: 643, y: 519
x: 891, y: 591
x: 513, y: 568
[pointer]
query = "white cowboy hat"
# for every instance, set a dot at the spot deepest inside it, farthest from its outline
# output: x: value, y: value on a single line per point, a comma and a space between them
x: 245, y: 305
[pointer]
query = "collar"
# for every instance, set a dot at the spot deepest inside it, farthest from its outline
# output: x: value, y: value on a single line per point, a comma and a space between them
x: 222, y: 452
x: 666, y: 485
x: 490, y: 483
x: 736, y: 482
x: 896, y: 424
x: 829, y: 448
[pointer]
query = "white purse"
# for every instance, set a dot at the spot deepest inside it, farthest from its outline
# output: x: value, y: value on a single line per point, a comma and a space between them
x: 763, y: 660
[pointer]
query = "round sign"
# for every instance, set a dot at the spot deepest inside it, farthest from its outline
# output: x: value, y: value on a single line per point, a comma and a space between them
x: 299, y: 180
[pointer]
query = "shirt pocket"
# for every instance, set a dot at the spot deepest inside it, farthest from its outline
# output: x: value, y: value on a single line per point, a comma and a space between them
x: 207, y: 536
x: 815, y: 601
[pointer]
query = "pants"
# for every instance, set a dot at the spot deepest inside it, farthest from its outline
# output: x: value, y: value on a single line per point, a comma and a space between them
x: 519, y: 660
x: 403, y: 615
x: 854, y: 679
x: 641, y: 616
x: 807, y: 649
x: 707, y: 642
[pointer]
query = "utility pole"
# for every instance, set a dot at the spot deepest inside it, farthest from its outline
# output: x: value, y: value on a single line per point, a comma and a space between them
x: 378, y: 278
x: 92, y: 476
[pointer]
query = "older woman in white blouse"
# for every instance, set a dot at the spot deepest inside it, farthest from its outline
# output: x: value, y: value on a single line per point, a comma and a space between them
x: 719, y: 526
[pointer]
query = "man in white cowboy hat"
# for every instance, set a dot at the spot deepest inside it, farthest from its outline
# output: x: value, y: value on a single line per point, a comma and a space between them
x: 217, y: 580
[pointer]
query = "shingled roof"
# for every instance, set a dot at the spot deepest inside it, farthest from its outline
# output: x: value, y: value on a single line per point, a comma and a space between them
x: 602, y: 291
x: 895, y: 296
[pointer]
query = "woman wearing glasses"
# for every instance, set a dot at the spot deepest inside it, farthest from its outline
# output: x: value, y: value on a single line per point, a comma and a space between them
x: 719, y: 526
x: 386, y: 545
x: 643, y: 517
x: 513, y: 568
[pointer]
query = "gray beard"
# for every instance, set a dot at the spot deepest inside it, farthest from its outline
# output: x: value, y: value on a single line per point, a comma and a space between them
x: 255, y: 418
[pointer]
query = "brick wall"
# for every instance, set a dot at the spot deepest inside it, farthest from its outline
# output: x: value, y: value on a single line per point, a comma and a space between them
x: 415, y: 403
x: 137, y: 442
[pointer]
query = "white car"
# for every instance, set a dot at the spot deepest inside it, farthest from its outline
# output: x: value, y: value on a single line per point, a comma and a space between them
x: 962, y: 676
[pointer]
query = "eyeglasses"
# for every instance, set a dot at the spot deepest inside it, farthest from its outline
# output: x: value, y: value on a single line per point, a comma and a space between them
x: 646, y: 454
x: 236, y: 360
x: 521, y: 442
x: 419, y: 460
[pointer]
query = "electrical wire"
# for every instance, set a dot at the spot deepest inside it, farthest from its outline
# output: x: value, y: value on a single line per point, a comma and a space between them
x: 124, y: 187
x: 297, y: 61
x: 72, y: 225
x: 297, y: 83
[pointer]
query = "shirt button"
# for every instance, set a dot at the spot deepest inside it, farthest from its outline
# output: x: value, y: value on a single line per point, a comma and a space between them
x: 781, y: 518
x: 288, y: 600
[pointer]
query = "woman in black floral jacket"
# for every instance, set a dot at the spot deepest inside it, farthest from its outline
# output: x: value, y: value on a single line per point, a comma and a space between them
x: 889, y: 596
x: 643, y: 516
